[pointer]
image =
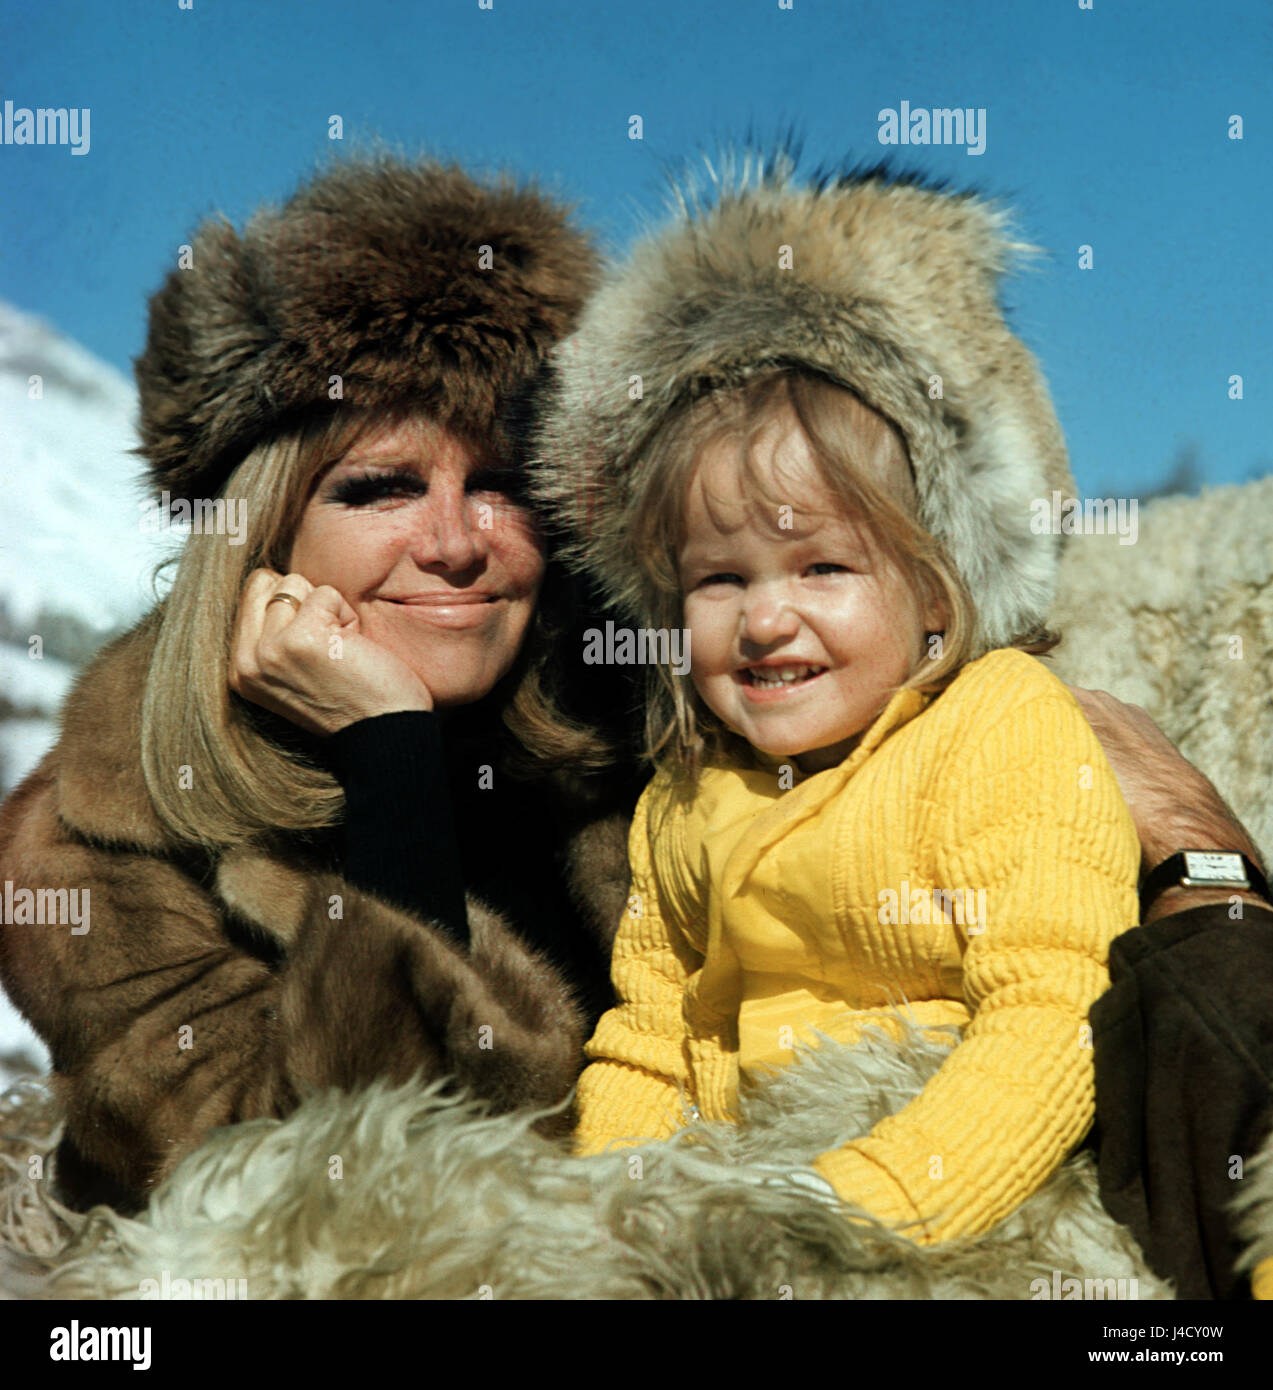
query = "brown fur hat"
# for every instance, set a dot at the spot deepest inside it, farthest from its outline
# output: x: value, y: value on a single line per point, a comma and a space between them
x: 871, y: 279
x: 411, y: 282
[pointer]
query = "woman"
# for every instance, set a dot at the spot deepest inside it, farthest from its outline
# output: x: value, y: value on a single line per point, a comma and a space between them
x: 352, y: 371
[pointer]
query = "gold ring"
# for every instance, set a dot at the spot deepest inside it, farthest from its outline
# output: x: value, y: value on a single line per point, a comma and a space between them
x: 285, y: 598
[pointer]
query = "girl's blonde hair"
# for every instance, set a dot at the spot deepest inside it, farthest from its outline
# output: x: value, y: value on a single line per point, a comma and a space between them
x: 862, y: 461
x: 245, y: 773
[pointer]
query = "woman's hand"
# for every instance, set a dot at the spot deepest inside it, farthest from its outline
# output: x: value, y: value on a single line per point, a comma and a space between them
x: 311, y: 664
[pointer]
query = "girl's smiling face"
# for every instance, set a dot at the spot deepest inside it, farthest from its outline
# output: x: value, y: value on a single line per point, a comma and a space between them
x: 801, y: 627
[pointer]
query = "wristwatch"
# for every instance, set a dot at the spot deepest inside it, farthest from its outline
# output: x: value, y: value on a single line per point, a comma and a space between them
x: 1203, y: 868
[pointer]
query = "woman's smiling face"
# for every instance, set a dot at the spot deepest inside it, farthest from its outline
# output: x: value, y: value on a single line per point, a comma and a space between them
x: 799, y: 634
x: 425, y: 539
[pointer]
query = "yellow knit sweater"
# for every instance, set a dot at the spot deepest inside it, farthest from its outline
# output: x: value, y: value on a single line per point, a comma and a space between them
x: 973, y: 855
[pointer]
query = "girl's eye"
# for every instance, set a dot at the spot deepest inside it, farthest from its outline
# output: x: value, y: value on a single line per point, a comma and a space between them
x: 724, y: 577
x: 361, y: 489
x: 827, y: 567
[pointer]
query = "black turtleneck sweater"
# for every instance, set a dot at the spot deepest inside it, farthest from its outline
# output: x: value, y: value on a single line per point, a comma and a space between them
x: 428, y: 818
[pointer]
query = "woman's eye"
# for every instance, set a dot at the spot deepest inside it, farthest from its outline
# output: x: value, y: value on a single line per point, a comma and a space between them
x: 361, y: 489
x: 508, y: 482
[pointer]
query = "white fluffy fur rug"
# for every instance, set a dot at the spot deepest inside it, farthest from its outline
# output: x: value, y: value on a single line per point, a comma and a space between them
x: 1254, y: 1209
x: 436, y: 1200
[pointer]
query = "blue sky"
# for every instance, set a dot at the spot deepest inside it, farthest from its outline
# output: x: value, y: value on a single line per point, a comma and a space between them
x: 1106, y: 126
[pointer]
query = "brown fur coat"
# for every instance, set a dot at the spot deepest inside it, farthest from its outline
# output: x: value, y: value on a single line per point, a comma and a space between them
x: 215, y: 988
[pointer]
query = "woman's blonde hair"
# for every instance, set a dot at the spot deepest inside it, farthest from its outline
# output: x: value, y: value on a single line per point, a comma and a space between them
x: 220, y: 770
x: 862, y: 461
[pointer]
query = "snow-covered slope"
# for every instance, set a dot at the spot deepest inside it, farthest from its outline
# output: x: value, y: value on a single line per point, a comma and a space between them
x: 70, y: 524
x: 75, y: 565
x: 21, y: 1052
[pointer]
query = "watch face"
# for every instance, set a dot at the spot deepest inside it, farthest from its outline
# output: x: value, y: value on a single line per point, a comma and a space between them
x: 1207, y: 867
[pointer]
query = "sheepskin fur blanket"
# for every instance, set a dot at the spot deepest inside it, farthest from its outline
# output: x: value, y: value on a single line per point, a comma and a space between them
x: 406, y: 1193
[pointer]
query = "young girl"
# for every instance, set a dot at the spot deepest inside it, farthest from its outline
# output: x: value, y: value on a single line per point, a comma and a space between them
x: 869, y: 792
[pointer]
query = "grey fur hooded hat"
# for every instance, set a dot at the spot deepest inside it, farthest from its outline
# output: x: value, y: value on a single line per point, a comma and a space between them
x: 892, y: 291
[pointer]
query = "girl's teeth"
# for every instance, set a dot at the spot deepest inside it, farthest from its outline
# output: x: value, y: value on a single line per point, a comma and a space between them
x: 780, y: 675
